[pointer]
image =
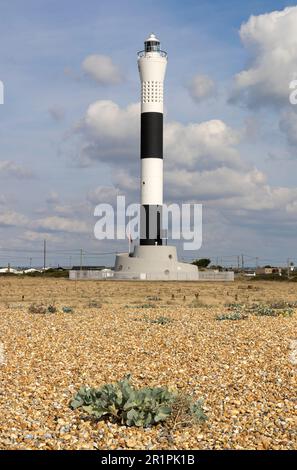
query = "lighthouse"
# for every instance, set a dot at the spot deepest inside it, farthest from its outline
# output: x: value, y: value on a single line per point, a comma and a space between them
x: 152, y: 64
x: 151, y: 259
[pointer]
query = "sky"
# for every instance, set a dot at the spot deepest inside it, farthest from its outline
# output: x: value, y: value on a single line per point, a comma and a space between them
x: 69, y: 128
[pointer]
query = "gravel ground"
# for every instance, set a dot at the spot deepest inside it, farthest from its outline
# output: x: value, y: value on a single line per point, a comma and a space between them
x: 245, y: 370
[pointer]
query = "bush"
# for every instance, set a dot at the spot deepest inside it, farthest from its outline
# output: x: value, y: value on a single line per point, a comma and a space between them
x: 232, y: 316
x: 234, y: 306
x: 273, y: 309
x: 161, y: 320
x: 126, y: 405
x: 51, y: 309
x: 269, y: 311
x: 39, y: 308
x: 67, y: 310
x: 276, y: 309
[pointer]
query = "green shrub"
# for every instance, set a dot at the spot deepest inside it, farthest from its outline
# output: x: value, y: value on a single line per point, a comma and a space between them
x: 271, y: 310
x: 264, y: 311
x: 232, y: 316
x: 234, y: 306
x: 282, y: 304
x: 161, y: 320
x: 67, y: 310
x: 126, y: 405
x: 51, y: 309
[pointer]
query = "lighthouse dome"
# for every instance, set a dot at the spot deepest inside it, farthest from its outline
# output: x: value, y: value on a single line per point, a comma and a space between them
x: 152, y: 44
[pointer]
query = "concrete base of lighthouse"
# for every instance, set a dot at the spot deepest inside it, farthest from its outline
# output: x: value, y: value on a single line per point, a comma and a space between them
x: 153, y: 263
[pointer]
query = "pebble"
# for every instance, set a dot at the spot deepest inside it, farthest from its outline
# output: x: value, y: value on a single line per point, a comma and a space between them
x: 243, y: 370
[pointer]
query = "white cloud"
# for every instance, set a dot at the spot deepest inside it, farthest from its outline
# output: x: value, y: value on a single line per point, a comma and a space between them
x: 102, y: 194
x: 12, y: 219
x: 101, y: 69
x: 203, y: 145
x: 61, y: 224
x: 271, y: 42
x: 109, y: 132
x: 126, y: 180
x: 202, y: 164
x: 10, y: 168
x: 31, y: 236
x: 201, y: 87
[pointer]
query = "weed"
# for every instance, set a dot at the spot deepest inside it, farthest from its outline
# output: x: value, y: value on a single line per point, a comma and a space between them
x: 124, y: 404
x: 161, y: 320
x: 232, y: 316
x: 40, y: 308
x: 67, y: 309
x: 94, y: 304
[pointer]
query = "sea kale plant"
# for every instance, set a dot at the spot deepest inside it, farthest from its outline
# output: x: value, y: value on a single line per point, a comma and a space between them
x: 127, y: 405
x: 232, y: 316
x: 272, y: 309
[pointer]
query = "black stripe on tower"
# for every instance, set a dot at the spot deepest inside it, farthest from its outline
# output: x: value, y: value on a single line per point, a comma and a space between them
x: 151, y: 135
x: 150, y: 227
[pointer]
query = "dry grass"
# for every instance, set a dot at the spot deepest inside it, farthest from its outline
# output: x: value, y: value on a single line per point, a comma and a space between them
x: 243, y: 370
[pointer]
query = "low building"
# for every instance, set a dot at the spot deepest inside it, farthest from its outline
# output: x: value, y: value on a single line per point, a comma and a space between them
x: 269, y: 270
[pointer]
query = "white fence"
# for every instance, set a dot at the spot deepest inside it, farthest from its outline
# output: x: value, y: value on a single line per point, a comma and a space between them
x: 176, y: 276
x: 89, y: 275
x: 216, y: 276
x: 96, y: 275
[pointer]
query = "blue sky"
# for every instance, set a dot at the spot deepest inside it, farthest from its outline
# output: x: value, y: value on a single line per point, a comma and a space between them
x: 43, y: 45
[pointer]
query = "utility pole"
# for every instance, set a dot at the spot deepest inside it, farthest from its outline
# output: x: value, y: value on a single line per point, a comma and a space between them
x: 242, y: 262
x: 30, y: 262
x: 44, y: 254
x: 238, y: 264
x: 288, y: 266
x: 81, y: 259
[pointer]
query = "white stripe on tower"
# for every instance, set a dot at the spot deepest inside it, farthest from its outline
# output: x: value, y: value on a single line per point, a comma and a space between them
x: 152, y: 64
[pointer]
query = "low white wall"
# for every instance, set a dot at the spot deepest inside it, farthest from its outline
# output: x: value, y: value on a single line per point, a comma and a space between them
x: 175, y: 276
x: 86, y: 275
x: 216, y: 276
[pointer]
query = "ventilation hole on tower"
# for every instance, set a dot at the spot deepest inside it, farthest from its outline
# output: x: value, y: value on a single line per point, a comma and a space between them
x: 166, y: 271
x: 170, y: 256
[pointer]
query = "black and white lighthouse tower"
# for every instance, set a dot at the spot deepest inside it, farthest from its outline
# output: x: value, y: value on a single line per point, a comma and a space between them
x: 152, y: 64
x: 151, y: 260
